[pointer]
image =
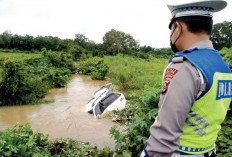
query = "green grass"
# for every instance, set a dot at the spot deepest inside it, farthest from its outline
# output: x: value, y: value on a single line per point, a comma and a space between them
x: 18, y: 56
x: 131, y: 74
x: 17, y: 51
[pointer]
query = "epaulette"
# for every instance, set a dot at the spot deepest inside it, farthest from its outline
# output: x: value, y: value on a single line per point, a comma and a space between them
x: 178, y: 59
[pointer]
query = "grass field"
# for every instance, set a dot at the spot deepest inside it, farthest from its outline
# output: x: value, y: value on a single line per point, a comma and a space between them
x: 17, y: 56
x: 130, y: 74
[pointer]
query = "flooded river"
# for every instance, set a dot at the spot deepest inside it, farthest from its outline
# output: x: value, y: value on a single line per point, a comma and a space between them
x: 66, y: 116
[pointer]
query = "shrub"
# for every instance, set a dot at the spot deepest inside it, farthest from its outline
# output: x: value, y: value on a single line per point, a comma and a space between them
x: 77, y: 52
x: 144, y: 111
x: 59, y: 77
x: 133, y: 138
x: 224, y: 140
x: 20, y: 140
x: 60, y: 59
x: 226, y: 53
x: 27, y: 77
x: 123, y: 80
x: 19, y: 87
x: 141, y: 55
x: 94, y: 67
x: 53, y: 76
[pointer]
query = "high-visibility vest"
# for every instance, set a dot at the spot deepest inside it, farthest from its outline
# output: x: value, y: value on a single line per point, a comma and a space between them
x: 203, y: 123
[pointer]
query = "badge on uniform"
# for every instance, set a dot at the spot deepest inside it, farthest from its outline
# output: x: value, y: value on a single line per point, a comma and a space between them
x: 169, y: 74
x: 224, y: 89
x: 165, y: 86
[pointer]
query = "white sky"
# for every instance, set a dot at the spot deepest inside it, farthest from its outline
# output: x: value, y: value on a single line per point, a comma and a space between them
x: 146, y: 20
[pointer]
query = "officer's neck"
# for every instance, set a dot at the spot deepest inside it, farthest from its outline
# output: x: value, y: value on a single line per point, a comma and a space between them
x: 192, y: 38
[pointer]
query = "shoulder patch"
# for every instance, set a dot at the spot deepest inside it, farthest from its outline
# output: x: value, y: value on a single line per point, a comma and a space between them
x: 224, y: 89
x: 171, y: 71
x: 165, y: 86
x: 169, y: 74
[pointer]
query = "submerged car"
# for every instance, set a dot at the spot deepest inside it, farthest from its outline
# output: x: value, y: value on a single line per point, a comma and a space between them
x: 98, y: 95
x: 105, y: 101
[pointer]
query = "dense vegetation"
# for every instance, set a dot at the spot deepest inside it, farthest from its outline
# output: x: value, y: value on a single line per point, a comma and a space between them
x: 119, y: 42
x: 222, y: 35
x: 81, y: 47
x: 29, y: 66
x: 131, y: 73
x: 224, y: 141
x: 113, y: 42
x: 140, y: 81
x: 27, y: 77
x: 22, y: 141
x: 226, y: 53
x: 94, y: 67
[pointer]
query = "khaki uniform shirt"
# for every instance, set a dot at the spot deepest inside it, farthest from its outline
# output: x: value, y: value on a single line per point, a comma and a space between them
x: 181, y: 86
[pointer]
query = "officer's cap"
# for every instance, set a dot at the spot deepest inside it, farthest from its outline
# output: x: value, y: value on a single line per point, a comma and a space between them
x: 180, y: 8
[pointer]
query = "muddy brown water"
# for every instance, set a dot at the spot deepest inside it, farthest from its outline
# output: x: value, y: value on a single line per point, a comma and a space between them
x: 66, y: 116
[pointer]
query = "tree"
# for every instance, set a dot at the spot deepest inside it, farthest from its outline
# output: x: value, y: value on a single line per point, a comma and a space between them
x: 146, y: 49
x: 6, y: 38
x: 1, y: 42
x: 80, y: 39
x: 117, y: 41
x: 84, y: 42
x: 222, y: 35
x: 226, y: 53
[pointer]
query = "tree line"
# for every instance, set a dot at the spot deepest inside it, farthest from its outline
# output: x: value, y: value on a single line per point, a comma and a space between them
x: 114, y: 42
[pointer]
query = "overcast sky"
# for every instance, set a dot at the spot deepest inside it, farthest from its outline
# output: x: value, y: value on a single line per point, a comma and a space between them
x: 146, y: 20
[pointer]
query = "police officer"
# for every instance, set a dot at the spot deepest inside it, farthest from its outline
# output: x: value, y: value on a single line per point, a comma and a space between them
x: 197, y: 85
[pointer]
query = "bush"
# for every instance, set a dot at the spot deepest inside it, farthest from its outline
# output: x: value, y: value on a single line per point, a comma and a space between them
x: 27, y: 77
x: 19, y: 87
x: 53, y: 76
x: 20, y: 140
x: 60, y: 59
x: 94, y: 67
x: 59, y: 77
x: 224, y: 140
x: 141, y: 55
x: 77, y: 52
x: 144, y: 111
x: 226, y: 53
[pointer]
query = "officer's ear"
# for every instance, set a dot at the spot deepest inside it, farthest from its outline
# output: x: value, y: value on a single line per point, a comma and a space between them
x: 173, y: 27
x: 178, y: 27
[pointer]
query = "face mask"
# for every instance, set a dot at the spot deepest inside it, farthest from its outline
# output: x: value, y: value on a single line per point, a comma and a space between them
x: 173, y: 45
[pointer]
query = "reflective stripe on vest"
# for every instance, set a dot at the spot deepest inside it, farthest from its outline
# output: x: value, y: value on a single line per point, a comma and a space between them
x: 195, y: 127
x: 203, y: 123
x: 200, y: 120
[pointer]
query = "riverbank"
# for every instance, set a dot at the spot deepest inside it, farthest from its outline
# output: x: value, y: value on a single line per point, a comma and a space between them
x: 139, y: 80
x: 25, y: 78
x: 66, y: 116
